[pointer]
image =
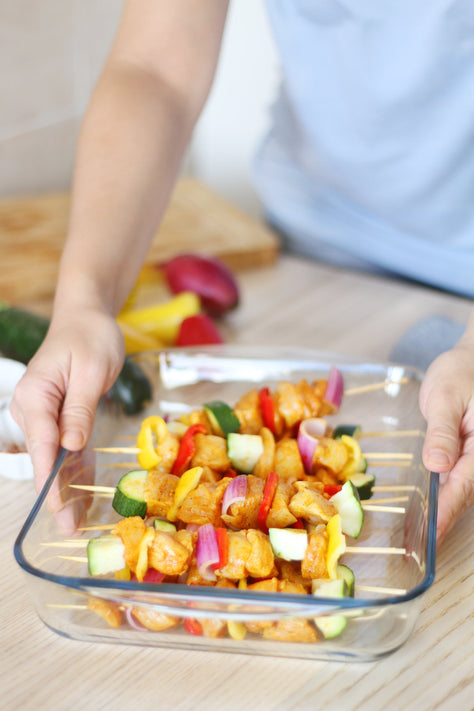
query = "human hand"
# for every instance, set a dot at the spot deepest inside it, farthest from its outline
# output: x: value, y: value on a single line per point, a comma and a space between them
x: 447, y: 403
x: 55, y: 401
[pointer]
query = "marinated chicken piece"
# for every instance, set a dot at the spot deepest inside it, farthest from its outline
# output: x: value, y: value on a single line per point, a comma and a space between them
x: 211, y: 451
x: 291, y: 572
x: 287, y: 462
x: 310, y: 398
x: 324, y: 476
x: 314, y: 563
x: 167, y: 555
x: 319, y: 388
x: 197, y: 417
x: 238, y: 554
x: 187, y: 538
x: 248, y: 411
x: 309, y: 504
x: 167, y: 451
x: 153, y: 620
x: 289, y: 403
x: 203, y: 504
x: 131, y: 531
x: 292, y: 629
x: 280, y: 515
x: 213, y: 627
x: 194, y: 578
x: 260, y: 561
x: 209, y: 474
x: 109, y: 611
x: 159, y: 492
x: 331, y: 454
x: 291, y: 588
x: 269, y: 585
x: 265, y: 462
x: 244, y: 514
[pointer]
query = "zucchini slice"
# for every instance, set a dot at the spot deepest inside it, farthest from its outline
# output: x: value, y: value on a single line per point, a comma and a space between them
x: 346, y: 574
x: 222, y: 417
x: 330, y: 626
x: 105, y: 554
x: 354, y: 431
x: 348, y: 506
x: 288, y: 543
x: 244, y: 451
x: 363, y: 483
x: 129, y: 497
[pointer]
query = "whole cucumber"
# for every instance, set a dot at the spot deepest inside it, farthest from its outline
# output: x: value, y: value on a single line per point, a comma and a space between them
x: 22, y: 333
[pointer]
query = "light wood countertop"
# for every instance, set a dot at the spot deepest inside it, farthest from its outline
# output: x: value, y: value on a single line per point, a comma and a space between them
x: 310, y: 305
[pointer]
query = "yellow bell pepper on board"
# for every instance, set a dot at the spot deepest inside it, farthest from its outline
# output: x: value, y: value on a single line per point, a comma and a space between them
x: 152, y: 432
x: 164, y: 319
x: 137, y: 340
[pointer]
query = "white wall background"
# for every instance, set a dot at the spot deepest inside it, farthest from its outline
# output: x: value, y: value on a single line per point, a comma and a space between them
x: 51, y: 52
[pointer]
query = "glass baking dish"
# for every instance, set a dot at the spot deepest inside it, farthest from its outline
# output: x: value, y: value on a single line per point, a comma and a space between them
x: 394, y: 563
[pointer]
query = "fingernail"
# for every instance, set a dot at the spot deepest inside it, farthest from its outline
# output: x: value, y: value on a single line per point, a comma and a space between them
x: 438, y: 458
x: 73, y: 439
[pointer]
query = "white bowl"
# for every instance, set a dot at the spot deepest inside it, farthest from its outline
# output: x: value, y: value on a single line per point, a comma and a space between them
x: 13, y: 464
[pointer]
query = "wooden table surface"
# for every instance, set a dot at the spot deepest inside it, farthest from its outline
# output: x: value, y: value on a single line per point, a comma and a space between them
x: 311, y: 305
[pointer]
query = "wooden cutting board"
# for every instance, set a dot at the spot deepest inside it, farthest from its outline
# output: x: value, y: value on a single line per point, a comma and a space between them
x: 33, y: 230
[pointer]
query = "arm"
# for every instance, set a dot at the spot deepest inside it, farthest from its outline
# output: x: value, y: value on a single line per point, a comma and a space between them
x: 133, y: 138
x: 447, y: 403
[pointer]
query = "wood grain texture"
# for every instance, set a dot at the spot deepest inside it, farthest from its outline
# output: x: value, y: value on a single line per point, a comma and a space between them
x: 309, y: 305
x: 197, y: 220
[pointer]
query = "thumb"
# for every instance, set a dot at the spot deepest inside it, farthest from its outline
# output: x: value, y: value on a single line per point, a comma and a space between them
x: 442, y: 440
x: 456, y: 495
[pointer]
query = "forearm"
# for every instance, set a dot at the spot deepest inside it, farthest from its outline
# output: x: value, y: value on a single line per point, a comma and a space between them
x: 130, y: 148
x: 133, y: 138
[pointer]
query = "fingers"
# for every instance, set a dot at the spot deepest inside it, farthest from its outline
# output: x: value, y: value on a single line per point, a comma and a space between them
x: 442, y: 441
x: 456, y: 495
x: 78, y: 412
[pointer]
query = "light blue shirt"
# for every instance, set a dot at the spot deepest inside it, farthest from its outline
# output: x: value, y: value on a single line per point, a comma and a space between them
x: 370, y: 157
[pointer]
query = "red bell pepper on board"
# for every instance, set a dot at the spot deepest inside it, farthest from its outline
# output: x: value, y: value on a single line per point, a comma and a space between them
x: 186, y: 449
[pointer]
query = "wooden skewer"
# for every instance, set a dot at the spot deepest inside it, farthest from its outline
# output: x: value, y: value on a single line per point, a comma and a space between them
x: 68, y: 543
x: 387, y: 455
x: 385, y: 509
x: 395, y: 487
x: 375, y: 386
x: 375, y: 549
x: 393, y: 463
x: 387, y: 500
x: 118, y: 450
x: 75, y: 558
x: 94, y: 487
x: 103, y: 527
x: 376, y: 589
x: 389, y: 433
x: 123, y: 465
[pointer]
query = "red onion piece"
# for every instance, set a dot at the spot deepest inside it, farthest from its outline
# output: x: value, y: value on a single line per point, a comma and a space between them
x: 308, y: 435
x: 334, y: 387
x: 235, y: 491
x: 132, y: 620
x: 207, y: 551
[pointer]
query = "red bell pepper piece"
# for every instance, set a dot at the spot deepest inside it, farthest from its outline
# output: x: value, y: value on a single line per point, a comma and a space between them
x: 223, y: 548
x: 298, y: 524
x: 153, y: 576
x: 192, y: 626
x: 186, y: 449
x: 331, y: 489
x: 267, y: 500
x: 267, y: 407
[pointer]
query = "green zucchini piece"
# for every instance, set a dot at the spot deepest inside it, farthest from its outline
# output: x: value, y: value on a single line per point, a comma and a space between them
x: 165, y: 526
x: 222, y: 417
x: 330, y: 626
x: 346, y: 574
x: 348, y: 506
x: 288, y: 543
x: 244, y: 451
x: 129, y: 497
x: 354, y: 431
x: 363, y: 483
x: 132, y: 390
x: 105, y: 554
x: 362, y: 466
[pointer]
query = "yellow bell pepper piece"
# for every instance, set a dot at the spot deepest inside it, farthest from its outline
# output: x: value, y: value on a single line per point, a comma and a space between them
x: 137, y: 340
x: 237, y: 630
x: 124, y: 574
x: 336, y: 545
x: 142, y: 560
x: 164, y: 319
x: 187, y: 482
x: 152, y: 433
x: 354, y: 456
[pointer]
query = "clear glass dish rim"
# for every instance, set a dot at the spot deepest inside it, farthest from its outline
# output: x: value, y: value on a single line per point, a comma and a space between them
x: 295, y: 602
